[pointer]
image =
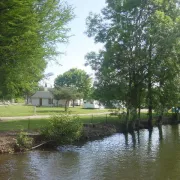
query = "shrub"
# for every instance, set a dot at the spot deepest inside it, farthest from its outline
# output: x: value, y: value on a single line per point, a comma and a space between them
x: 19, y: 100
x: 23, y: 141
x: 62, y: 129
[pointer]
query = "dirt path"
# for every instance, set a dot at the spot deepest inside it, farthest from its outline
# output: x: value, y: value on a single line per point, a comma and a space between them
x: 44, y: 116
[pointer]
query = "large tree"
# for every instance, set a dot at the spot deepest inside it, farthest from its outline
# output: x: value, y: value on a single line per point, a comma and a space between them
x: 75, y: 78
x: 141, y: 40
x: 29, y: 33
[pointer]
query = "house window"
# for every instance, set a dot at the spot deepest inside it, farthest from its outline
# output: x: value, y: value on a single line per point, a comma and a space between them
x: 50, y: 101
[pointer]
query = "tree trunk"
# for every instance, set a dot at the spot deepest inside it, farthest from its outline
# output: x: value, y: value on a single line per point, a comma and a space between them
x: 150, y: 125
x: 160, y: 132
x: 73, y: 103
x: 159, y: 120
x: 133, y: 138
x: 134, y: 117
x: 27, y: 99
x: 66, y: 107
x: 139, y: 117
x: 127, y: 120
x: 139, y: 109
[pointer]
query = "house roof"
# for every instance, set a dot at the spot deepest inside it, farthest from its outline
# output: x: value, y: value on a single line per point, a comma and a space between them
x: 42, y: 94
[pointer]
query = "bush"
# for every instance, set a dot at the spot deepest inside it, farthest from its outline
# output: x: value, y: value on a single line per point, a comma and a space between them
x: 19, y: 100
x: 63, y: 129
x: 23, y: 141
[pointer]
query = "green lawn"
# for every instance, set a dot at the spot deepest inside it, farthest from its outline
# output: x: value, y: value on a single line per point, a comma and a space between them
x: 20, y: 110
x: 35, y: 124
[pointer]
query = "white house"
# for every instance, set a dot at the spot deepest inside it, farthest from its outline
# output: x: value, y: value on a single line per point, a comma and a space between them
x: 61, y: 103
x: 42, y: 98
x: 45, y: 98
x: 92, y: 104
x: 78, y: 102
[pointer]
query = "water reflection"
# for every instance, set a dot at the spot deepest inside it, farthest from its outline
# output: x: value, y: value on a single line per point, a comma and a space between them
x: 133, y: 139
x: 140, y: 155
x: 160, y: 132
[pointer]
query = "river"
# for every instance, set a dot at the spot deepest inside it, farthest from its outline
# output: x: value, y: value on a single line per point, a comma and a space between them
x: 139, y: 156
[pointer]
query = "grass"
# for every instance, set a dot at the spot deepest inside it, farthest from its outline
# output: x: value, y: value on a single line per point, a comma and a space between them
x: 35, y: 124
x: 20, y: 110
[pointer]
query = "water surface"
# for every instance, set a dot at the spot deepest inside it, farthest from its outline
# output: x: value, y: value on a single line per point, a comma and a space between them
x: 139, y: 156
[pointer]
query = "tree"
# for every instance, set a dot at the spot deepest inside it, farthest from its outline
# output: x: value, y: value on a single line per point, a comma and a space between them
x: 29, y: 33
x: 140, y: 39
x: 67, y: 94
x: 75, y: 78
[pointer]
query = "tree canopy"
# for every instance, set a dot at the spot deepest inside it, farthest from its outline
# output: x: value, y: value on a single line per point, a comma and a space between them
x: 140, y: 59
x: 75, y: 78
x: 29, y: 33
x: 66, y: 93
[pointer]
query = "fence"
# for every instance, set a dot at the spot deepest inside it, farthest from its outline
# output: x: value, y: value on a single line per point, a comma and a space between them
x: 35, y: 124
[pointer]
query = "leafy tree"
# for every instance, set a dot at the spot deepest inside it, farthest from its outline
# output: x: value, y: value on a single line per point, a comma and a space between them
x: 67, y: 94
x: 141, y: 40
x: 75, y: 78
x: 29, y: 33
x: 63, y: 129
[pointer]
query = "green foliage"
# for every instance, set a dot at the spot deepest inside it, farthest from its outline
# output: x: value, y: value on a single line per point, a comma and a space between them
x: 66, y: 93
x: 19, y: 100
x: 75, y: 78
x: 29, y: 32
x: 140, y: 59
x: 62, y: 129
x: 23, y: 141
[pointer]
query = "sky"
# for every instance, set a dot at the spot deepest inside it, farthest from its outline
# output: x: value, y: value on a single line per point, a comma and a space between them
x: 79, y: 44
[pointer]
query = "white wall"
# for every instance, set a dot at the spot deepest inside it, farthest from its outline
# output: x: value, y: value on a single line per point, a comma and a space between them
x: 35, y: 101
x: 45, y: 102
x: 61, y: 102
x: 92, y: 105
x: 78, y: 102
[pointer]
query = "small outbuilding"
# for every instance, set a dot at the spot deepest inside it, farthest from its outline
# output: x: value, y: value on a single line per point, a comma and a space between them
x: 92, y: 104
x: 42, y: 98
x: 45, y: 98
x: 78, y: 102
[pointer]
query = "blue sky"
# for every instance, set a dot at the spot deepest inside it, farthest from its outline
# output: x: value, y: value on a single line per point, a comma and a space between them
x: 79, y: 44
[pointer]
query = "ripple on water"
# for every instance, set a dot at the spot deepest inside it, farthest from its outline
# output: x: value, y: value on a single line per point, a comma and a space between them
x: 142, y: 155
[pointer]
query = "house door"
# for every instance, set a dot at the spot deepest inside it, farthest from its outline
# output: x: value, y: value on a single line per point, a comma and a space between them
x: 40, y: 102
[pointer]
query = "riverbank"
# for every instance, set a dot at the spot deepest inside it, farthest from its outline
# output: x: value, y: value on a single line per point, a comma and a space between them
x: 142, y: 155
x: 91, y: 131
x: 7, y: 143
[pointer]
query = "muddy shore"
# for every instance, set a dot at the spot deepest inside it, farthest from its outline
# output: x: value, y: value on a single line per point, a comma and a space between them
x: 90, y: 132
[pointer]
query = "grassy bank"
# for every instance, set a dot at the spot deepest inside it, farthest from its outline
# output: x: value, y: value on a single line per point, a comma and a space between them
x: 94, y: 127
x: 22, y: 110
x: 35, y: 124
